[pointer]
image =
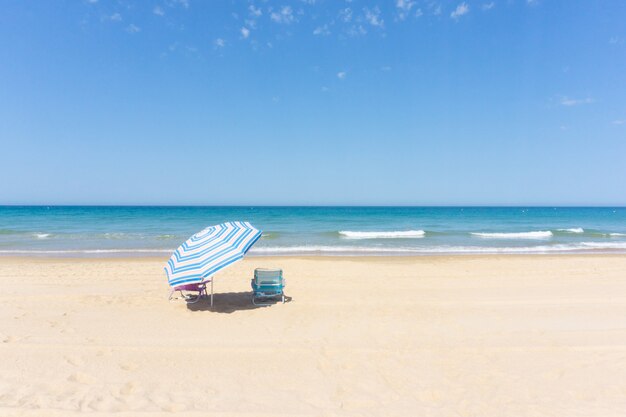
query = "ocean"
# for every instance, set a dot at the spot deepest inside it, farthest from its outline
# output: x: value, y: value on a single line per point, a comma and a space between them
x: 146, y: 231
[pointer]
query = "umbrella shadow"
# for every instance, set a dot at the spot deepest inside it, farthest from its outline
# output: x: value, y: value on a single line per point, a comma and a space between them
x: 230, y: 302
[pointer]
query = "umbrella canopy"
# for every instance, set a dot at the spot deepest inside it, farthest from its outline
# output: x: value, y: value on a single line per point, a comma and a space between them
x: 210, y: 251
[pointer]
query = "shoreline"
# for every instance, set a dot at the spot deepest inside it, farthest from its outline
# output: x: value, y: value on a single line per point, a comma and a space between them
x: 165, y: 257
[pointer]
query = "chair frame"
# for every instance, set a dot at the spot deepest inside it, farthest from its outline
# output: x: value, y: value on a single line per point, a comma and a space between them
x: 184, y: 291
x: 279, y: 292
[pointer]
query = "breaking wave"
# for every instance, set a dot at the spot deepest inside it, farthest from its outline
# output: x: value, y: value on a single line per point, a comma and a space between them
x: 443, y: 249
x: 407, y: 234
x: 516, y: 235
x: 573, y: 230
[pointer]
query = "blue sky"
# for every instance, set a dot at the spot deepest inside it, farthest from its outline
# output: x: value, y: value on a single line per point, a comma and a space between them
x: 313, y: 102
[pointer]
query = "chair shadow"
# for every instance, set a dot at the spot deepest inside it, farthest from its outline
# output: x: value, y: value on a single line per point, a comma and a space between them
x: 230, y: 302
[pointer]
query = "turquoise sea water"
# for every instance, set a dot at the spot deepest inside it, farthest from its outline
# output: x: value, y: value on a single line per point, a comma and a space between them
x: 119, y: 231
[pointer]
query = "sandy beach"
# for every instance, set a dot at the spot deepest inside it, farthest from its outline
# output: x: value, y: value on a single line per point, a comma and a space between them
x: 429, y: 336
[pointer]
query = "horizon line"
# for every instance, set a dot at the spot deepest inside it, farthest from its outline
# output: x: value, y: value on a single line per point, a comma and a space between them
x: 315, y: 205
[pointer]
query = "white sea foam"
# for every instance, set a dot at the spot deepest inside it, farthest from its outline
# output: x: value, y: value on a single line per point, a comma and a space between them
x: 406, y: 234
x: 573, y: 230
x: 518, y: 235
x: 605, y: 245
x: 83, y: 251
x: 42, y: 235
x: 122, y: 235
x: 329, y: 249
x: 355, y: 250
x: 163, y: 237
x: 617, y: 234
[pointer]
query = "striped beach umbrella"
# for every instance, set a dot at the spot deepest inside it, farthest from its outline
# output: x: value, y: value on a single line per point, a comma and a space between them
x: 208, y: 252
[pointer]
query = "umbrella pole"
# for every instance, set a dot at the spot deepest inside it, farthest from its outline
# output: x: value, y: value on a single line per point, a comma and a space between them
x: 211, y: 292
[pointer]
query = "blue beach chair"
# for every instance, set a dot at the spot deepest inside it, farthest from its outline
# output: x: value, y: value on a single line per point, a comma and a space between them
x: 266, y: 284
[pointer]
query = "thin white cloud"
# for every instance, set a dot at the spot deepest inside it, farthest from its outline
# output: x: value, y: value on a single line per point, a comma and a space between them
x: 569, y: 102
x: 405, y: 5
x: 372, y: 16
x: 219, y: 43
x: 133, y: 28
x: 255, y: 11
x: 158, y: 10
x: 189, y: 50
x: 321, y: 30
x: 341, y: 75
x: 245, y: 32
x: 284, y: 15
x: 461, y: 9
x: 488, y: 6
x: 356, y: 30
x: 115, y: 17
x: 404, y: 8
x: 345, y: 14
x: 619, y: 122
x: 184, y: 3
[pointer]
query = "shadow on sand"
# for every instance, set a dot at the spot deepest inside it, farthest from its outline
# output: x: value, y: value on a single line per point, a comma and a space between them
x: 230, y: 302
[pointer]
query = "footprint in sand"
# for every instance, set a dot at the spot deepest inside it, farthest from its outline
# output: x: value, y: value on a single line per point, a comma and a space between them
x: 104, y: 352
x: 129, y: 366
x: 173, y: 408
x: 81, y: 378
x: 128, y: 388
x: 9, y: 339
x: 74, y: 360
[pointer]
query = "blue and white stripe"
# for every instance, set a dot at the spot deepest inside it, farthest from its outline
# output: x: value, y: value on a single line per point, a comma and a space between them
x: 209, y: 251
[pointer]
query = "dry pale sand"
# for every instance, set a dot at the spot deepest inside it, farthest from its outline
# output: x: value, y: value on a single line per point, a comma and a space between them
x: 427, y: 336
